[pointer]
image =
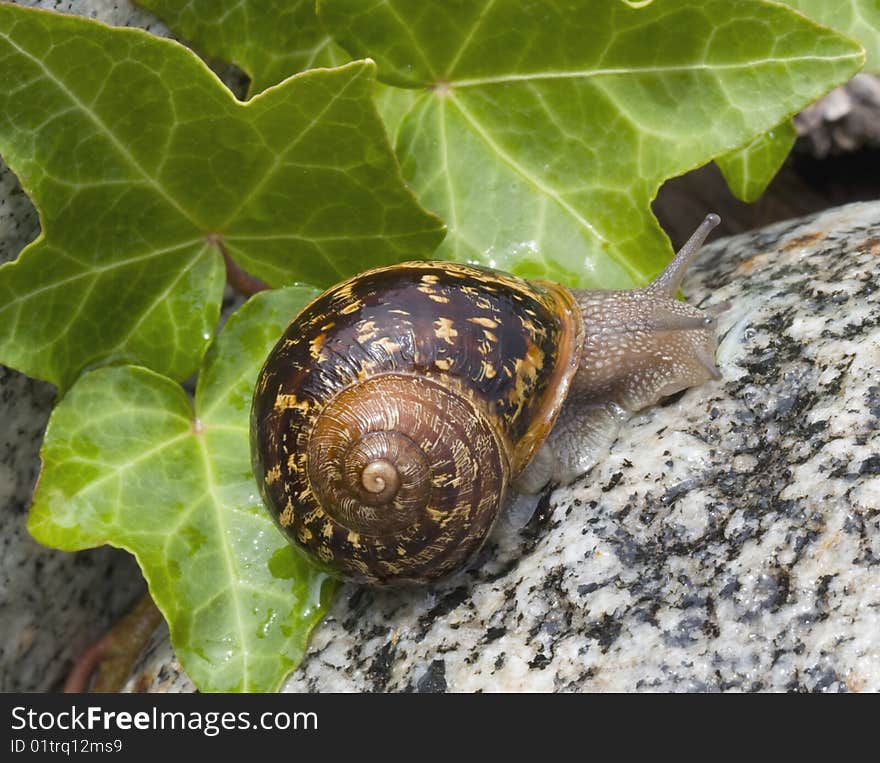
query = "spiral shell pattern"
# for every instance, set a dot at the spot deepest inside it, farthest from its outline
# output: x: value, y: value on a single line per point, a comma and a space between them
x: 407, y: 475
x: 389, y: 419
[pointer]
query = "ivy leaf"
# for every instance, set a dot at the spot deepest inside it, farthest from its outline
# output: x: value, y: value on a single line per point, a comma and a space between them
x: 268, y: 39
x: 542, y: 131
x: 145, y: 168
x: 860, y: 19
x: 129, y: 462
x: 749, y: 171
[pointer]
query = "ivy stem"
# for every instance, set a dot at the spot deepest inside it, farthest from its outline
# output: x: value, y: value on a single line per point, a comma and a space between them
x: 113, y: 655
x: 240, y: 280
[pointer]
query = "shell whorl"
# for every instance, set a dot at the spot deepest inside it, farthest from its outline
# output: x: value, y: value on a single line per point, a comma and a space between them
x: 366, y: 470
x: 403, y: 477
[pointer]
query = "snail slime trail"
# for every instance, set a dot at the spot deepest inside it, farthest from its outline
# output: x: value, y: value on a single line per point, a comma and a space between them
x: 404, y: 407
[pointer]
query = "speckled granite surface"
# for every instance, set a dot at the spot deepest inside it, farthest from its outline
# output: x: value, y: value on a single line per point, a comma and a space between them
x: 731, y: 540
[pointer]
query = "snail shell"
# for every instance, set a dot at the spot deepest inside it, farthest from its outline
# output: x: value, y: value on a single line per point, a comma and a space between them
x: 393, y: 413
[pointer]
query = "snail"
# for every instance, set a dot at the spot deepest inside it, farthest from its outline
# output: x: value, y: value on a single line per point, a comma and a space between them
x: 403, y: 407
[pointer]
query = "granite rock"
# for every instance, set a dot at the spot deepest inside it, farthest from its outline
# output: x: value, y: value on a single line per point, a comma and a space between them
x: 729, y: 542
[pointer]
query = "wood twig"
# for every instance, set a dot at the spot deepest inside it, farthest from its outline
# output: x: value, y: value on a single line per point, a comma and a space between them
x: 240, y: 280
x: 111, y: 658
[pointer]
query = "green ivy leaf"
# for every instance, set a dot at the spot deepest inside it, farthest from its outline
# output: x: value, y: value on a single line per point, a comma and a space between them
x: 129, y: 462
x: 144, y: 168
x: 542, y: 131
x: 860, y: 19
x: 749, y: 171
x: 268, y: 39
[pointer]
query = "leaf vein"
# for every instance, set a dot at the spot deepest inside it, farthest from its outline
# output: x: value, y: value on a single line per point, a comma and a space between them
x: 503, y: 79
x: 104, y: 128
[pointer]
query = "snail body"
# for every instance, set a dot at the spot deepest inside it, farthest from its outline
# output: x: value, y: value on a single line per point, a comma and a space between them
x: 398, y: 409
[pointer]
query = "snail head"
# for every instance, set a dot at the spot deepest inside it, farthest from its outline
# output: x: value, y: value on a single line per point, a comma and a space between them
x: 645, y: 344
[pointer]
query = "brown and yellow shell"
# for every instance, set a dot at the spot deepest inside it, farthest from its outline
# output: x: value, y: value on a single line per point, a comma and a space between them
x: 392, y: 414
